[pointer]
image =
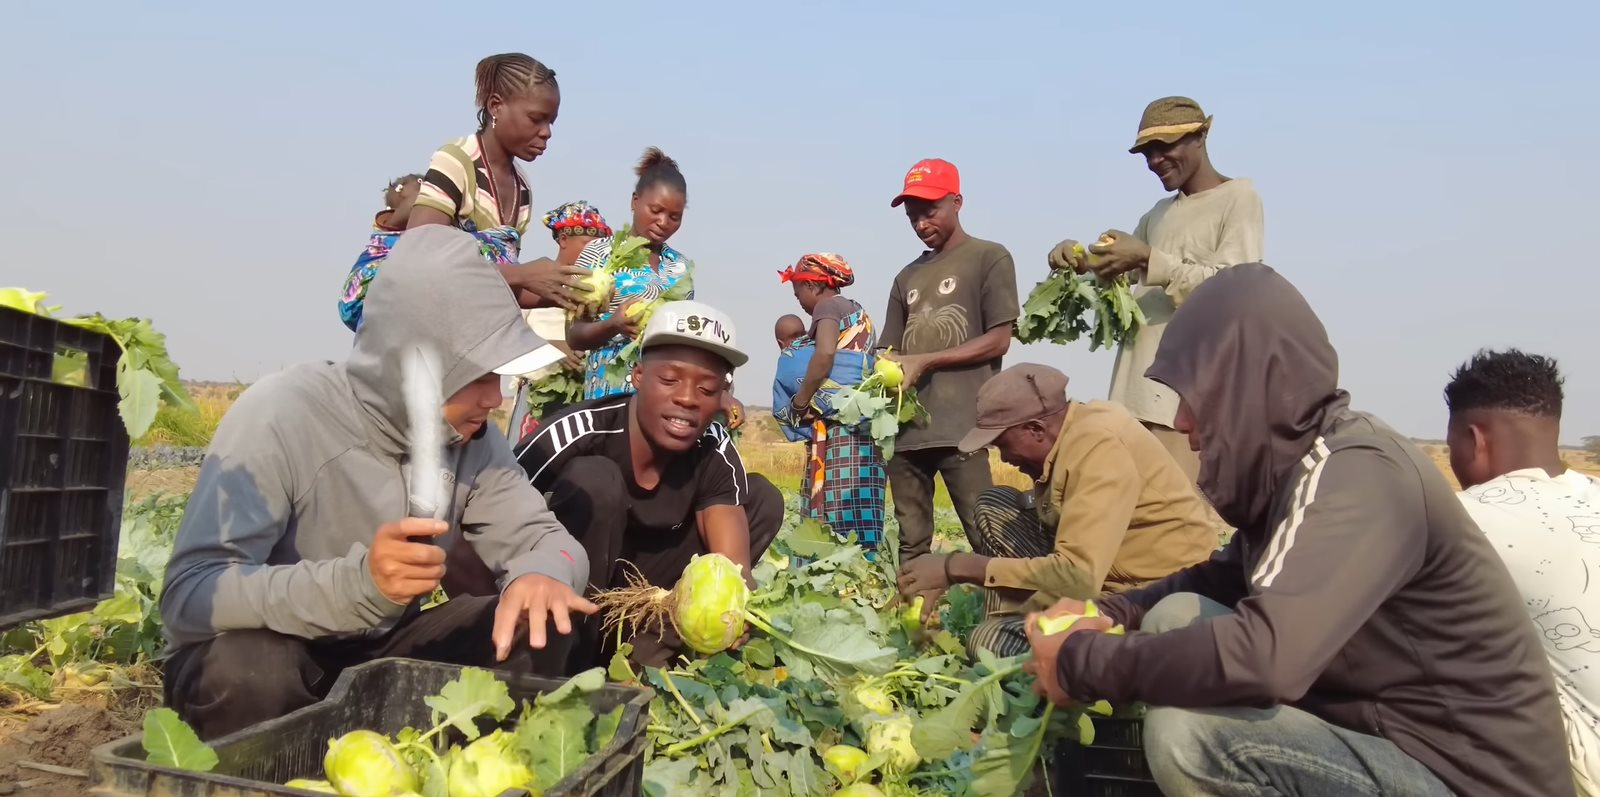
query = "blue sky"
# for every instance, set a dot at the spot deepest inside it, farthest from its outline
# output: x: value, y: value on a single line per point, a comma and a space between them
x: 1427, y: 168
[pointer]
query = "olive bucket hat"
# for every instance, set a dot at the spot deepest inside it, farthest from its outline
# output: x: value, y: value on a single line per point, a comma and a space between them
x: 1168, y: 119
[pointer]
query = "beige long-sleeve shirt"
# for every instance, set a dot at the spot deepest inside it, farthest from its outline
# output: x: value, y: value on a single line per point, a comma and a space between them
x: 1190, y: 238
x: 1124, y: 513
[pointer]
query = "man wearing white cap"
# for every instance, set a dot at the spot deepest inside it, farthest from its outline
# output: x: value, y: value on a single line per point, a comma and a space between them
x: 649, y: 479
x: 1207, y: 223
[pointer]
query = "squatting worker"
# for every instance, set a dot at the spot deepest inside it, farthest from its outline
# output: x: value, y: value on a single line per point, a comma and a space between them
x: 1357, y: 635
x: 948, y: 324
x: 295, y: 557
x: 647, y: 480
x: 1110, y: 509
x: 1208, y: 222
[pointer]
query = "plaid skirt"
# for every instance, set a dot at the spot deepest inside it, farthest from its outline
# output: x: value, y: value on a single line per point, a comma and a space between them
x: 845, y: 484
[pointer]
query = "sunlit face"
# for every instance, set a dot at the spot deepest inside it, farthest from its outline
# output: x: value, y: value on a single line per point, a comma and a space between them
x: 523, y: 123
x: 934, y: 221
x: 1177, y: 162
x: 658, y: 213
x: 680, y: 390
x: 468, y: 410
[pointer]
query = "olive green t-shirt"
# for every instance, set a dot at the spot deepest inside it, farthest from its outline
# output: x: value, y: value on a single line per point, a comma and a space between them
x: 939, y: 302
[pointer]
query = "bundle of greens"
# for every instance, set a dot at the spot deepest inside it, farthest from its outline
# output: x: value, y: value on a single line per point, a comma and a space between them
x: 882, y: 403
x: 552, y: 736
x: 616, y: 372
x: 1056, y: 308
x: 628, y: 252
x: 146, y: 374
x: 845, y: 694
x: 559, y: 389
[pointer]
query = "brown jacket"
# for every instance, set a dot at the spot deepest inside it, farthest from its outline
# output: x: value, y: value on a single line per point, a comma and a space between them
x: 1124, y: 512
x: 1362, y: 592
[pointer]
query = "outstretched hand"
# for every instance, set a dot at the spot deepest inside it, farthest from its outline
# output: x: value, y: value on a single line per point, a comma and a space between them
x: 534, y: 599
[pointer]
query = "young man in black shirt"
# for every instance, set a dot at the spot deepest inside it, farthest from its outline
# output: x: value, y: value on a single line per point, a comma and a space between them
x: 649, y: 480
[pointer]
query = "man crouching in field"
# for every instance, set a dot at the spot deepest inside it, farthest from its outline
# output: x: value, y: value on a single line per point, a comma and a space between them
x: 648, y: 481
x: 1112, y: 509
x: 1358, y: 634
x: 296, y: 559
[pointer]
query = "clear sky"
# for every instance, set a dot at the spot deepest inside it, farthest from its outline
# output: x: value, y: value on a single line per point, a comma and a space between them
x: 1427, y: 168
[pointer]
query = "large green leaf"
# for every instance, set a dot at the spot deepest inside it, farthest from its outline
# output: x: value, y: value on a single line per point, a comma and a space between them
x: 141, y: 397
x: 169, y: 742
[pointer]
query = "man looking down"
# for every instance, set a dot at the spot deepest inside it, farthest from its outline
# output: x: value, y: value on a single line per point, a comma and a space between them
x: 1543, y: 519
x: 296, y: 558
x: 1110, y: 509
x: 647, y: 481
x: 1357, y: 635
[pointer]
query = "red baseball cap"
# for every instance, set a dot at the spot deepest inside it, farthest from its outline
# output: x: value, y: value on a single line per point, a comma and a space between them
x: 932, y: 179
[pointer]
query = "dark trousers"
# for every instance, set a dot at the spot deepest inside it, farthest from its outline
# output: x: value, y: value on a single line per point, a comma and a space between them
x: 911, y: 474
x: 241, y: 678
x: 1008, y: 527
x: 591, y: 500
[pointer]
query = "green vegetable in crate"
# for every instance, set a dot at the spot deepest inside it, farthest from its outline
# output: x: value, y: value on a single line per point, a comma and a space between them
x: 364, y: 764
x: 306, y: 784
x: 487, y: 767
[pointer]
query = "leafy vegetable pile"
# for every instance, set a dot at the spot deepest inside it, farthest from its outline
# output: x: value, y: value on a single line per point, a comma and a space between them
x: 550, y: 739
x: 146, y: 374
x: 1056, y: 310
x: 628, y: 252
x: 837, y: 691
x: 561, y: 388
x: 882, y: 403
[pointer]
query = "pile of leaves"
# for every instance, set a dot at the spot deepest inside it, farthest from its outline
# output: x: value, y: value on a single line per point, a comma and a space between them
x: 848, y: 672
x: 146, y: 374
x: 106, y: 647
x: 1057, y: 310
x: 549, y: 739
x: 559, y: 389
x: 879, y: 409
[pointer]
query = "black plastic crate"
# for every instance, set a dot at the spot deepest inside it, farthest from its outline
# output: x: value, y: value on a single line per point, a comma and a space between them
x: 63, y: 463
x: 1114, y: 766
x: 385, y: 696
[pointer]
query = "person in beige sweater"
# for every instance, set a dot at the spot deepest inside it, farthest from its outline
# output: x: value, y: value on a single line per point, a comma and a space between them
x: 1207, y: 223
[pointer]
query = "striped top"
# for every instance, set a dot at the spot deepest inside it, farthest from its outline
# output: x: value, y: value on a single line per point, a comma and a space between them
x: 469, y: 198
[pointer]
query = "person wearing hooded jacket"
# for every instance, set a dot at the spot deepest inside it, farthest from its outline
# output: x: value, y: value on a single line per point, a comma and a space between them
x: 1357, y: 635
x: 296, y: 557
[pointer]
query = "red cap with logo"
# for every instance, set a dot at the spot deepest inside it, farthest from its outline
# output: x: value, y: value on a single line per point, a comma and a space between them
x: 932, y: 179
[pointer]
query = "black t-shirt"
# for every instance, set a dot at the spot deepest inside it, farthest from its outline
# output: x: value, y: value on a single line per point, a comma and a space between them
x: 710, y: 474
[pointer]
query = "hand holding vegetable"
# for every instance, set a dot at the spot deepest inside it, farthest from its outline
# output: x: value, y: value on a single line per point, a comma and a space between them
x: 404, y: 569
x: 1047, y: 646
x: 1118, y: 252
x: 912, y: 366
x: 625, y: 321
x: 551, y: 281
x: 1069, y: 255
x: 532, y: 598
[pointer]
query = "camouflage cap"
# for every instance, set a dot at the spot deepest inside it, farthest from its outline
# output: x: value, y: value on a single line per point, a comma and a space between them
x: 1169, y: 119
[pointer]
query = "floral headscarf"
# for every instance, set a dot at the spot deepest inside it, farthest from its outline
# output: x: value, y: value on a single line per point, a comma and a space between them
x: 825, y: 267
x: 577, y: 219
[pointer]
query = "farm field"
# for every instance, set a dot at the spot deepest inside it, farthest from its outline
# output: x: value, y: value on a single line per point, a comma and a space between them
x: 69, y: 684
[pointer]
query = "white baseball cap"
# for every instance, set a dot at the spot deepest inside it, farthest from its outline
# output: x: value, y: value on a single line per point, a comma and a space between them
x: 693, y: 324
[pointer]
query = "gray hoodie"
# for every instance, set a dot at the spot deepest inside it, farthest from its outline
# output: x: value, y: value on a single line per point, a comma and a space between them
x: 311, y: 461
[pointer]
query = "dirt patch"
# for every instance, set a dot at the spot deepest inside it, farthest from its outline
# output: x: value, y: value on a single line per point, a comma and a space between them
x: 63, y: 736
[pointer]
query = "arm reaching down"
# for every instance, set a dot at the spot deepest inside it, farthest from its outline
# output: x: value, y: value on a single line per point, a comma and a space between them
x: 1356, y: 534
x: 512, y: 529
x: 242, y: 506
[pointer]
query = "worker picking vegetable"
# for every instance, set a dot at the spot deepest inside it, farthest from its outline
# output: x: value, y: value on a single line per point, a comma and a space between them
x: 1357, y: 635
x: 1207, y: 223
x: 948, y: 325
x: 647, y: 481
x: 294, y: 559
x: 1111, y: 511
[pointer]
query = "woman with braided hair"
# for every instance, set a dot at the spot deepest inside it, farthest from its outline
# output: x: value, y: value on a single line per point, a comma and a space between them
x: 473, y: 182
x: 844, y: 476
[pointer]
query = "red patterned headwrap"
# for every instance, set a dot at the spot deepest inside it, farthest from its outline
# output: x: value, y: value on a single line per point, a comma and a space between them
x: 824, y: 267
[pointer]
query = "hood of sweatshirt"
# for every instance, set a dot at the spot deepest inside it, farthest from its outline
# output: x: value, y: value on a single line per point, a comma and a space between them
x: 1255, y: 366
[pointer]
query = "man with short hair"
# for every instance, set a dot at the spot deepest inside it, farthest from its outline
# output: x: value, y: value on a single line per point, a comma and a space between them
x: 296, y: 559
x: 1209, y: 222
x: 949, y: 325
x: 1110, y: 509
x: 1543, y: 519
x: 648, y: 480
x: 1357, y: 635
